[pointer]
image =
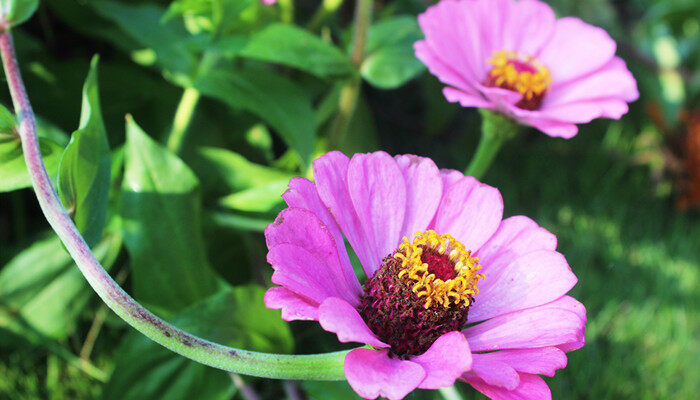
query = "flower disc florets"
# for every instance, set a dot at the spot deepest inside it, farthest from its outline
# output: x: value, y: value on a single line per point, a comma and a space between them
x: 420, y: 292
x: 523, y: 74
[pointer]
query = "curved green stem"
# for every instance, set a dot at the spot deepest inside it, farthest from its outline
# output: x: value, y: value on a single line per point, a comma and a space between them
x: 327, y: 366
x: 351, y: 91
x: 496, y: 129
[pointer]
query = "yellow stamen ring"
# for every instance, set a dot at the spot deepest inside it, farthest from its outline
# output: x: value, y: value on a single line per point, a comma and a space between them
x: 459, y: 289
x: 529, y: 84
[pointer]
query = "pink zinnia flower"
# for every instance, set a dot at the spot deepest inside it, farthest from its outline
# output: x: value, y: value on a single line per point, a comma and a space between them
x: 465, y: 267
x: 516, y: 58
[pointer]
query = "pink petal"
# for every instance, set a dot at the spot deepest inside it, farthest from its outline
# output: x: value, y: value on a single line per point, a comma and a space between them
x: 445, y: 72
x: 423, y: 192
x: 495, y: 372
x: 452, y: 33
x: 294, y: 306
x: 613, y: 80
x: 585, y: 111
x: 530, y: 25
x: 515, y: 237
x: 541, y: 361
x: 330, y: 174
x: 338, y: 316
x: 373, y: 373
x: 550, y: 127
x: 301, y: 272
x: 303, y: 194
x: 535, y: 327
x: 450, y: 177
x: 575, y: 49
x: 378, y: 192
x: 531, y: 280
x: 445, y: 361
x: 303, y: 229
x: 531, y: 387
x: 570, y: 304
x: 469, y: 211
x: 466, y: 98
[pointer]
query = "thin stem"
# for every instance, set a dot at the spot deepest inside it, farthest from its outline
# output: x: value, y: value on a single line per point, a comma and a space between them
x: 324, y: 11
x: 351, y: 91
x: 247, y: 392
x: 183, y: 117
x: 287, y: 11
x: 450, y: 393
x: 327, y: 366
x: 98, y: 322
x: 186, y: 107
x: 496, y: 129
x: 291, y: 389
x: 485, y: 153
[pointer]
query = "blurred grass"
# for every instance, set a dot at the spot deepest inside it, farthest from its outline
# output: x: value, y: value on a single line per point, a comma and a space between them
x: 636, y: 257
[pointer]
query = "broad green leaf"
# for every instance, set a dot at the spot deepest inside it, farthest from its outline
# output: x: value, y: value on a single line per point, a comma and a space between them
x: 236, y: 172
x: 274, y: 99
x: 161, y: 209
x: 145, y: 24
x: 236, y: 317
x: 17, y: 11
x: 390, y: 60
x: 263, y: 198
x: 13, y: 170
x: 292, y: 46
x: 85, y: 168
x: 43, y: 288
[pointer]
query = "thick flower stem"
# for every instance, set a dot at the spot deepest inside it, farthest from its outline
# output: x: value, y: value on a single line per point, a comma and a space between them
x: 496, y: 129
x: 351, y: 91
x: 327, y: 366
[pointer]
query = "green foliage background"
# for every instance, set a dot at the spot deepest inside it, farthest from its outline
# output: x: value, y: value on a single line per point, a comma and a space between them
x: 183, y: 232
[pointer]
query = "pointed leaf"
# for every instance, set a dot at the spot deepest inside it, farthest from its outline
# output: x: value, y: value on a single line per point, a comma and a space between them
x: 274, y: 99
x: 390, y: 60
x: 236, y: 317
x: 13, y: 170
x: 84, y: 172
x: 292, y: 46
x: 161, y: 210
x: 42, y: 287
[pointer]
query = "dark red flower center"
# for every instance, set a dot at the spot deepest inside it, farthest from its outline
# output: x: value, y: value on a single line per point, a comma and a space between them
x: 420, y: 292
x: 522, y: 74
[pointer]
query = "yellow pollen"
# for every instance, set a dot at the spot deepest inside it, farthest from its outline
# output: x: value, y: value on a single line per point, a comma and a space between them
x: 459, y: 289
x: 505, y: 74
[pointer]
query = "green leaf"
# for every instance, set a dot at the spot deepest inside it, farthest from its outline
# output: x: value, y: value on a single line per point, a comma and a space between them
x: 43, y: 288
x: 216, y: 17
x: 145, y: 24
x: 262, y: 198
x: 17, y: 11
x: 236, y: 172
x: 390, y: 60
x: 276, y: 100
x: 292, y: 46
x: 13, y: 170
x: 236, y: 317
x: 161, y: 209
x: 85, y: 168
